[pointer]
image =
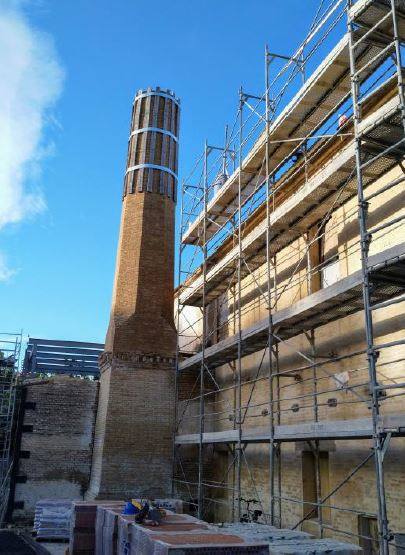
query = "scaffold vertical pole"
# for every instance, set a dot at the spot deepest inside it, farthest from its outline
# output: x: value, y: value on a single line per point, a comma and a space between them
x: 311, y: 337
x: 372, y: 354
x: 10, y: 352
x: 178, y: 312
x: 203, y: 344
x: 269, y: 296
x: 398, y: 58
x: 239, y: 319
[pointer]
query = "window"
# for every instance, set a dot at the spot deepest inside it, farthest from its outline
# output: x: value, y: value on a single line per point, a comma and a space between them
x: 323, y: 260
x: 330, y: 273
x: 309, y: 483
x: 368, y: 528
x: 211, y: 323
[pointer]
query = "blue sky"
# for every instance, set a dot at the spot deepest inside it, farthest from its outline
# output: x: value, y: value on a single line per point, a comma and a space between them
x: 57, y: 254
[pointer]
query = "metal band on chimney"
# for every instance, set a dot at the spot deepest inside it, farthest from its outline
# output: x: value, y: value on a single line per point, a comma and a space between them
x: 153, y: 167
x: 157, y: 130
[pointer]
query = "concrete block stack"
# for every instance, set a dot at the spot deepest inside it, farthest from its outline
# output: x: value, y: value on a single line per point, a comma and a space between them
x: 264, y: 532
x: 107, y: 530
x: 100, y: 528
x: 305, y: 547
x: 125, y: 536
x: 284, y: 541
x: 211, y: 540
x: 109, y: 533
x: 83, y: 525
x: 180, y: 532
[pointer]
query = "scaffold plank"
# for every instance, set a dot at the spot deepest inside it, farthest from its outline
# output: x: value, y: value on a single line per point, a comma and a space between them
x: 368, y: 13
x: 359, y: 428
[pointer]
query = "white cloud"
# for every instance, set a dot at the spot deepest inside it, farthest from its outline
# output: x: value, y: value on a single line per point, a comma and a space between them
x: 30, y: 83
x: 5, y: 272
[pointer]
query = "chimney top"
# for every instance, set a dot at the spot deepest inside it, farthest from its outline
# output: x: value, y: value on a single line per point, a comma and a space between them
x: 157, y: 91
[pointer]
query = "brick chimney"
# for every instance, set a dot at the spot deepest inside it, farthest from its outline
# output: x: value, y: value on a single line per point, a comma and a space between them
x: 134, y: 429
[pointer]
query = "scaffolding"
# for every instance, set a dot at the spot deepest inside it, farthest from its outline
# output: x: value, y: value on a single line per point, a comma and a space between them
x: 10, y: 352
x: 287, y: 166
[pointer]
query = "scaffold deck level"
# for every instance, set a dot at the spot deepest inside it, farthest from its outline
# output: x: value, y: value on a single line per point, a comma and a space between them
x: 387, y: 271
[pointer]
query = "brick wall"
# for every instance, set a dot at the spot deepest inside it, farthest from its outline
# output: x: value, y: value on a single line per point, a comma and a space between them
x: 56, y: 441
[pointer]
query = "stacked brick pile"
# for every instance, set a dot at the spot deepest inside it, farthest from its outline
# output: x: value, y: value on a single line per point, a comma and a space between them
x: 129, y: 537
x: 264, y: 531
x: 283, y: 540
x: 94, y: 525
x: 83, y: 525
x: 107, y: 530
x: 321, y: 547
x: 179, y: 533
x: 100, y: 528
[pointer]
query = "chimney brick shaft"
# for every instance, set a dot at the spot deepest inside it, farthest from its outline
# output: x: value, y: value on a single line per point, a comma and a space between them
x: 133, y: 441
x: 142, y: 307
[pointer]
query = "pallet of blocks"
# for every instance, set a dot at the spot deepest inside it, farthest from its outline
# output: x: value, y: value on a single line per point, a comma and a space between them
x: 305, y: 547
x: 107, y: 530
x: 126, y: 536
x: 106, y: 524
x: 83, y: 525
x: 181, y: 534
x: 284, y: 540
x: 52, y: 519
x: 264, y: 532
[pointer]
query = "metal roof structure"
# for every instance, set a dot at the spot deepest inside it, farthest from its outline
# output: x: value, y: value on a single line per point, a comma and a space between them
x: 76, y: 358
